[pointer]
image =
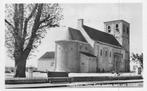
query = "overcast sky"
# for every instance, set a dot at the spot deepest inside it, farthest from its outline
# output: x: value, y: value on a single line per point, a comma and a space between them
x: 95, y: 15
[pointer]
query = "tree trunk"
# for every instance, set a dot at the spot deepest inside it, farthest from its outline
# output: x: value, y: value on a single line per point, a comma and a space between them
x: 20, y: 65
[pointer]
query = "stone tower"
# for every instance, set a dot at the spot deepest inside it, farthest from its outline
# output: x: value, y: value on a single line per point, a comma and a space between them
x: 120, y: 29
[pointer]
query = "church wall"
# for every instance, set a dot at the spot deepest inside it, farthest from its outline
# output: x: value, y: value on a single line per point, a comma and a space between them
x: 67, y: 56
x: 84, y: 64
x: 87, y: 64
x: 122, y: 61
x: 122, y: 36
x: 126, y: 43
x: 105, y: 60
x: 85, y: 47
x: 69, y: 59
x: 123, y: 66
x: 92, y: 65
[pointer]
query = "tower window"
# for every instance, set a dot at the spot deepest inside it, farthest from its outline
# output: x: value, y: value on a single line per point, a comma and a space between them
x: 117, y: 29
x: 80, y: 46
x: 116, y: 25
x: 106, y: 53
x: 101, y: 52
x: 110, y: 54
x: 127, y: 30
x: 109, y: 29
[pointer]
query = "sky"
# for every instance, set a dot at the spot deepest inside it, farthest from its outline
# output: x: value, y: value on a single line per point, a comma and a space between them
x: 94, y: 15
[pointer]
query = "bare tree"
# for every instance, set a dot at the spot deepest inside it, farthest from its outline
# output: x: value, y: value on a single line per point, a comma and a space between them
x: 26, y: 25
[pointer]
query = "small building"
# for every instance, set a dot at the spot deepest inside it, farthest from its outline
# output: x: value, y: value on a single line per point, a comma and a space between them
x: 47, y: 62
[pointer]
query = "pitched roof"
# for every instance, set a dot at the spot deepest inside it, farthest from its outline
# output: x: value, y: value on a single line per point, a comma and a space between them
x: 98, y: 35
x: 48, y: 55
x: 88, y: 54
x: 76, y: 35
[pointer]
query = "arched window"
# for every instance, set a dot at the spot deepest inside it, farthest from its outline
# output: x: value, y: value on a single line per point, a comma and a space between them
x: 80, y: 46
x: 116, y: 25
x: 106, y: 53
x: 117, y: 29
x: 110, y: 54
x: 109, y: 29
x: 101, y: 52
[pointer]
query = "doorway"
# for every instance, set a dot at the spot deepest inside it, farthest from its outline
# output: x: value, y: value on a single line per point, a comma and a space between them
x: 117, y: 61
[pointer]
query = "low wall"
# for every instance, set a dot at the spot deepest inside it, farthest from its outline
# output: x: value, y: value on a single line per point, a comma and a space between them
x: 104, y: 78
x: 57, y: 74
x: 26, y: 80
x: 68, y: 79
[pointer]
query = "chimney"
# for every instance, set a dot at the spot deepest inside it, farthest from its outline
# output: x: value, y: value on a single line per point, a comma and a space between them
x: 80, y: 22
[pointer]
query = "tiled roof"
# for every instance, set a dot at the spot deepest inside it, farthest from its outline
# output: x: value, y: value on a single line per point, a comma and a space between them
x: 76, y: 35
x: 98, y: 35
x: 48, y: 55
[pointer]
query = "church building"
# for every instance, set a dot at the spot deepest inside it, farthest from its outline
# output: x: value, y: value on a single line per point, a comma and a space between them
x: 89, y: 50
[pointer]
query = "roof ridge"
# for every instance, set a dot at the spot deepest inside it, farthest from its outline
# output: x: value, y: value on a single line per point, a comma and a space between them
x: 99, y: 30
x: 122, y: 20
x: 74, y: 28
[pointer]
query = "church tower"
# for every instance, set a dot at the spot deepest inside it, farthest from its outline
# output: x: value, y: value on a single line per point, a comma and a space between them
x: 120, y: 29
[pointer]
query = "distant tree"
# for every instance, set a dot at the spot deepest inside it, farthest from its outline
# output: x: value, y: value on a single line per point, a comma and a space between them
x: 26, y: 25
x: 138, y: 57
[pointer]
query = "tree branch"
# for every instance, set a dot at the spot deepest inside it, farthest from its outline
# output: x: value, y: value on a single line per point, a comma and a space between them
x: 48, y: 25
x: 13, y: 29
x: 33, y: 12
x: 45, y: 19
x: 27, y: 20
x: 34, y: 30
x: 9, y: 24
x: 26, y: 23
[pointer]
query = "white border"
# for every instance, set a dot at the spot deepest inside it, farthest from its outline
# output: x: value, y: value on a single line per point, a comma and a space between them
x: 2, y: 50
